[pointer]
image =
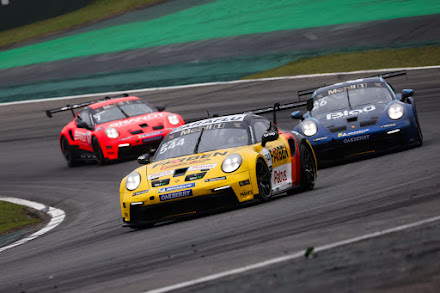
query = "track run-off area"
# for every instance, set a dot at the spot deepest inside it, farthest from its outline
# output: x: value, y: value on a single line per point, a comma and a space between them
x: 370, y: 225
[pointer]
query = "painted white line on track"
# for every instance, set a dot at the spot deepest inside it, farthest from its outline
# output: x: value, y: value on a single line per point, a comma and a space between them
x: 215, y: 83
x: 290, y: 257
x: 57, y: 216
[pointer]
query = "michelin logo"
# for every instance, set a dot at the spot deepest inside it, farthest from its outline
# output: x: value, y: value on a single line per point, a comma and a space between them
x: 174, y: 195
x: 177, y: 187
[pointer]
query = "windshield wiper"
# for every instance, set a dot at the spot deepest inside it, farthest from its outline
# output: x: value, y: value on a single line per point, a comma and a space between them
x: 125, y: 114
x: 348, y: 99
x: 198, y: 141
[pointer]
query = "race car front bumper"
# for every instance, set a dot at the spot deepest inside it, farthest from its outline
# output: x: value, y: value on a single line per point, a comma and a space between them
x: 207, y: 195
x: 364, y: 141
x: 135, y: 145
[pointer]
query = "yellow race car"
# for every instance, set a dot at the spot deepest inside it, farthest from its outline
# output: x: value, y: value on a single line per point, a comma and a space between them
x: 214, y: 163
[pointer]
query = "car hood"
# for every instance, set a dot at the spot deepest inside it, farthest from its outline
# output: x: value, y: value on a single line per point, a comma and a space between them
x: 187, y: 165
x: 139, y: 124
x: 364, y: 115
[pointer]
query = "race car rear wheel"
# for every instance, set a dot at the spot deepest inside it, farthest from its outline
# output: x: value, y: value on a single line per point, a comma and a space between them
x: 264, y: 180
x: 68, y: 152
x: 98, y: 152
x: 308, y: 168
x: 419, y: 130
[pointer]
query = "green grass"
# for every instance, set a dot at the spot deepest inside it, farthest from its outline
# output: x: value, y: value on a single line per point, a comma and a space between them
x: 344, y: 62
x: 92, y: 13
x: 13, y: 217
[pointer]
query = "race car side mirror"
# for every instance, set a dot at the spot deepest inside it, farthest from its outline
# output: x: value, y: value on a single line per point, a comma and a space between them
x: 269, y: 136
x: 83, y: 124
x: 309, y: 105
x: 144, y: 159
x: 297, y: 115
x: 160, y: 108
x: 406, y: 93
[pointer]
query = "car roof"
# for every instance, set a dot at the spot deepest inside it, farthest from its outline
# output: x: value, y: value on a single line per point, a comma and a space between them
x: 229, y: 118
x: 112, y: 101
x: 349, y: 82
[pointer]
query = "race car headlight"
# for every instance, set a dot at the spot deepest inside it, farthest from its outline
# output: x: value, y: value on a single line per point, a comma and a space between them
x: 173, y: 119
x: 111, y: 132
x: 133, y: 181
x: 309, y: 128
x: 231, y: 163
x: 395, y: 111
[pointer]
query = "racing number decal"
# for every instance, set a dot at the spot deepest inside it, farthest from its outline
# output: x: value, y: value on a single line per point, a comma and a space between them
x: 171, y: 144
x: 266, y: 154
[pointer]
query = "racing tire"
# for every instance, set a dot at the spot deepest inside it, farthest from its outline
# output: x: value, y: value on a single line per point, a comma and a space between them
x: 98, y: 152
x: 419, y: 130
x: 308, y: 168
x: 264, y: 180
x: 68, y: 153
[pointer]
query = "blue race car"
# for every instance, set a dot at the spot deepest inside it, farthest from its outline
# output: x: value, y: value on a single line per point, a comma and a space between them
x: 359, y: 117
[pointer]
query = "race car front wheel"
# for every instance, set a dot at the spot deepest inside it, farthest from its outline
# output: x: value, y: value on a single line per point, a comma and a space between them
x: 264, y: 180
x: 308, y: 168
x: 68, y: 152
x: 98, y: 152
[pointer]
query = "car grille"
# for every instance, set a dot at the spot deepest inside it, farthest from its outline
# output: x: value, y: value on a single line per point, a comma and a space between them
x: 158, y: 127
x: 188, y: 206
x: 136, y: 132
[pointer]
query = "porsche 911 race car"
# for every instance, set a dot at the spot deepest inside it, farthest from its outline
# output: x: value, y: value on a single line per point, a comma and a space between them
x: 359, y: 117
x: 113, y: 128
x: 215, y: 163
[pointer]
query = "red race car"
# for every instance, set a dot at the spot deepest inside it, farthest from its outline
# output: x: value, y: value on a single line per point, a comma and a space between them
x: 113, y: 128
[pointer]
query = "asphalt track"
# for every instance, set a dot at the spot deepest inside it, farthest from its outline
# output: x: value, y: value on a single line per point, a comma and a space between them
x: 91, y: 252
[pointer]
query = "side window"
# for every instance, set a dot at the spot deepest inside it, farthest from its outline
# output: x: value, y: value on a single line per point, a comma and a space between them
x: 260, y: 127
x: 84, y: 115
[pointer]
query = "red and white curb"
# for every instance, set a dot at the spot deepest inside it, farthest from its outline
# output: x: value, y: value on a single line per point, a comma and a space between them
x: 56, y: 217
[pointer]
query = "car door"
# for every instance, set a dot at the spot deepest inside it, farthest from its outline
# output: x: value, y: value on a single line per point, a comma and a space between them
x: 83, y: 136
x: 279, y: 152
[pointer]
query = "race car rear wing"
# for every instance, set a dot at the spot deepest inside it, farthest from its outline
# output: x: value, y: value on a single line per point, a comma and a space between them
x: 76, y: 106
x: 385, y: 75
x: 275, y: 108
x: 311, y: 91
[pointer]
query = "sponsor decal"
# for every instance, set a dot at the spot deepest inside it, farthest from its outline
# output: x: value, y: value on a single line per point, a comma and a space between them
x: 282, y: 176
x: 266, y: 154
x: 83, y: 136
x: 202, y: 167
x: 140, y: 119
x: 150, y: 134
x: 388, y: 125
x: 349, y: 113
x: 215, y: 179
x: 245, y: 182
x: 206, y: 127
x: 231, y: 118
x: 154, y: 138
x: 347, y: 87
x: 344, y: 134
x: 278, y: 153
x: 357, y: 138
x: 191, y: 159
x: 177, y: 187
x: 161, y: 174
x: 160, y: 183
x: 174, y: 195
x: 140, y: 192
x: 279, y: 176
x: 195, y: 176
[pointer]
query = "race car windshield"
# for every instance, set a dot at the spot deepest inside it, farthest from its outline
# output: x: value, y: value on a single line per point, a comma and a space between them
x: 348, y: 97
x: 203, y: 139
x: 120, y: 110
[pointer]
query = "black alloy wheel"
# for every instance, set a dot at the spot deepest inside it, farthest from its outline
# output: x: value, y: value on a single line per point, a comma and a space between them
x: 68, y: 152
x: 308, y: 168
x: 98, y: 152
x: 264, y: 180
